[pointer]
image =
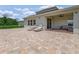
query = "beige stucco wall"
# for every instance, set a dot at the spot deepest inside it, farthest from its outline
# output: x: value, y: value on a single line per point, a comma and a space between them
x: 26, y: 21
x: 41, y: 20
x: 76, y: 22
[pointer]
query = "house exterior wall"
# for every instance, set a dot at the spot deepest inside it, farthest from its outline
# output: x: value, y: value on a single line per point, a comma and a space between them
x: 76, y: 23
x: 60, y: 21
x: 56, y: 21
x: 26, y: 21
x: 41, y: 21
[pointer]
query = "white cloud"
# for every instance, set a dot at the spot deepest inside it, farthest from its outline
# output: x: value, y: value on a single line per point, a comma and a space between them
x: 46, y: 6
x: 59, y: 7
x: 18, y: 9
x: 8, y: 13
x: 19, y: 13
x: 29, y: 13
x: 24, y: 12
x: 1, y: 13
x: 25, y: 9
x: 1, y: 16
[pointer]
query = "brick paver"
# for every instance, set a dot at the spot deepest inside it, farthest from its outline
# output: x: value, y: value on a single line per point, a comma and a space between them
x: 23, y: 41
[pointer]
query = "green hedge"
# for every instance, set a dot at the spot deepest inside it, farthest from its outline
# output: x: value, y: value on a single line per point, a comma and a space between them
x: 10, y: 26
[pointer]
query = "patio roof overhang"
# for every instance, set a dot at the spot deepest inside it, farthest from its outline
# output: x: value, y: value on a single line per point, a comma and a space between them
x: 57, y: 12
x: 61, y: 11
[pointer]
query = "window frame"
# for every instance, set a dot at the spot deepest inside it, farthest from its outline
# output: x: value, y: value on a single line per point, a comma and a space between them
x: 34, y: 22
x: 31, y: 22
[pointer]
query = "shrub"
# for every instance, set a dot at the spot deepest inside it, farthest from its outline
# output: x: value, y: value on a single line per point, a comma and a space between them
x: 9, y: 23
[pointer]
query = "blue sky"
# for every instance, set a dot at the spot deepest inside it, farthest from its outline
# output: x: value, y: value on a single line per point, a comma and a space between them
x: 20, y: 11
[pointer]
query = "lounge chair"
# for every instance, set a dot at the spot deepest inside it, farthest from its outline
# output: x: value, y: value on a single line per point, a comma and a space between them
x: 32, y: 28
x: 38, y: 29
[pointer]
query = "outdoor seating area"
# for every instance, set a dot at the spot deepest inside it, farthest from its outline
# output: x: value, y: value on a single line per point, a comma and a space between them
x: 40, y: 28
x: 35, y: 28
x: 31, y: 28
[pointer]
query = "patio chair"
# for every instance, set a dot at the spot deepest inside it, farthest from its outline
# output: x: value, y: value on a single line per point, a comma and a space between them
x: 39, y: 28
x: 31, y: 28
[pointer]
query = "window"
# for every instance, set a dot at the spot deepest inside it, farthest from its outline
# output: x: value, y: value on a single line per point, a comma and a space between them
x: 28, y: 22
x: 70, y: 24
x: 31, y: 22
x: 34, y: 22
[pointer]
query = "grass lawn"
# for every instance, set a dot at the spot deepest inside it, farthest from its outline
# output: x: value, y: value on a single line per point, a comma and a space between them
x: 10, y: 26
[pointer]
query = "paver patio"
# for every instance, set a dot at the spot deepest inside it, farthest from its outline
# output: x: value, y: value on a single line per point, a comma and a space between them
x: 23, y: 41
